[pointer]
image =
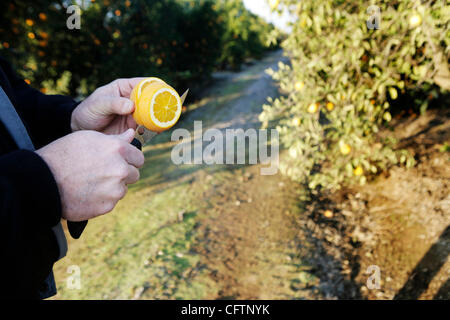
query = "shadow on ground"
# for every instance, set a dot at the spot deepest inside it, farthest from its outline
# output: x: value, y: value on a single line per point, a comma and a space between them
x: 426, y: 269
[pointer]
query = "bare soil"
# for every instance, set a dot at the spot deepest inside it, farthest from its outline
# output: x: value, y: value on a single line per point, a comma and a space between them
x: 398, y: 223
x: 407, y: 216
x: 249, y: 238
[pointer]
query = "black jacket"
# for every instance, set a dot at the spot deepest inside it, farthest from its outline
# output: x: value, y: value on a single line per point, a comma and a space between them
x: 29, y: 199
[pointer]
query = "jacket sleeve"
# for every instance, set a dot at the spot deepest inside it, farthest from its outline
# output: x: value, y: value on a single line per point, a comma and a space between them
x: 47, y: 117
x: 29, y: 206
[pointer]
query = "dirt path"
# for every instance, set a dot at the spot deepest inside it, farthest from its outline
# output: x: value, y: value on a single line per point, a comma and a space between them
x: 239, y: 95
x: 248, y: 240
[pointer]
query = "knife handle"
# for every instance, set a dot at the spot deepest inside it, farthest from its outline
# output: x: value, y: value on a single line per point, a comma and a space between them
x: 137, y: 144
x: 76, y: 228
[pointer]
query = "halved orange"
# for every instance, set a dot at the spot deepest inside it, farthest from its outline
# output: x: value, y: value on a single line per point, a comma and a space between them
x: 158, y: 105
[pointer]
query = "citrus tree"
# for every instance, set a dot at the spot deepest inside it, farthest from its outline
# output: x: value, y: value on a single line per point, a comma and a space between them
x: 349, y: 63
x: 182, y: 41
x: 245, y: 33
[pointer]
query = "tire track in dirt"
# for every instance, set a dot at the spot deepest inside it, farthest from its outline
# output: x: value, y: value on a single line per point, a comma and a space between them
x: 248, y: 240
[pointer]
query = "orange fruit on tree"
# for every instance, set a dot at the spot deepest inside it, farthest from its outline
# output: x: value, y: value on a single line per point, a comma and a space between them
x: 344, y: 148
x: 313, y: 107
x: 293, y: 152
x: 358, y: 171
x: 303, y: 23
x: 299, y: 85
x: 415, y: 21
x: 330, y: 106
x: 328, y: 214
x: 158, y: 105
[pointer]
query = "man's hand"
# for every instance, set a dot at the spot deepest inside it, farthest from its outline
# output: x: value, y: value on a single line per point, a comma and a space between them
x: 108, y: 109
x: 92, y: 171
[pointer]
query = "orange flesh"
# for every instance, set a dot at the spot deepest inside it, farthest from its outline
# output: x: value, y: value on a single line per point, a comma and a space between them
x: 165, y: 107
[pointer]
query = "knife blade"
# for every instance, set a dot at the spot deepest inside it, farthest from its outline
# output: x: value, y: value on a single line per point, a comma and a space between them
x: 183, y: 97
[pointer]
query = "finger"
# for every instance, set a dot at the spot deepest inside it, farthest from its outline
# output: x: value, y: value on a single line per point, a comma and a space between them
x: 131, y: 123
x: 133, y: 175
x: 118, y: 192
x: 132, y: 155
x: 125, y: 86
x: 115, y: 105
x: 127, y: 136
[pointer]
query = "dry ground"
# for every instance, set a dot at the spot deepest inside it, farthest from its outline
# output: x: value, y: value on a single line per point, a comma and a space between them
x: 399, y: 222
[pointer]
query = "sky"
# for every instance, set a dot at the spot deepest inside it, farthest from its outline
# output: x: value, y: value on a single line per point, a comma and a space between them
x: 261, y: 8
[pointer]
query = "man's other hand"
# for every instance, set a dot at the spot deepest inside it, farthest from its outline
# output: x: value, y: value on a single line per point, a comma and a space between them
x: 108, y: 109
x: 92, y: 171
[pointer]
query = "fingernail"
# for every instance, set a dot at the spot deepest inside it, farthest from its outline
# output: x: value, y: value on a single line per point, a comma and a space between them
x: 129, y: 105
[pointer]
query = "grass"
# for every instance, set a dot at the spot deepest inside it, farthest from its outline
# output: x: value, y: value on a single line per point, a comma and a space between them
x: 141, y: 241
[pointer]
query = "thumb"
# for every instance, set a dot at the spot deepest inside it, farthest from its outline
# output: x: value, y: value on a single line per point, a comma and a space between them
x: 127, y: 136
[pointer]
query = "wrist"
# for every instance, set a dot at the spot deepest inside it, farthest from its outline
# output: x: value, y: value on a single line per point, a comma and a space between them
x: 47, y: 159
x: 47, y: 155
